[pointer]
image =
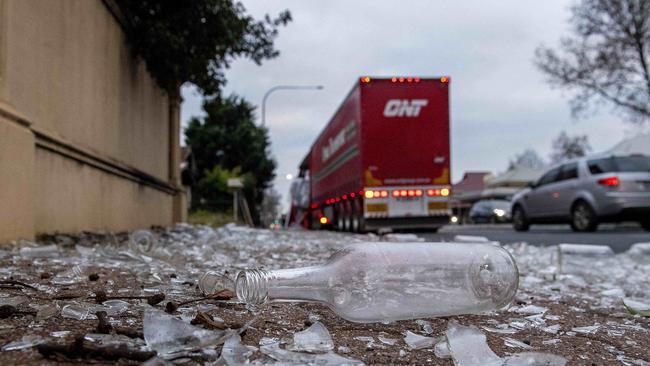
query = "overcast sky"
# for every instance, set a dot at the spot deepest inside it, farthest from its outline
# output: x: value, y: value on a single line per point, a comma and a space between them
x: 500, y: 104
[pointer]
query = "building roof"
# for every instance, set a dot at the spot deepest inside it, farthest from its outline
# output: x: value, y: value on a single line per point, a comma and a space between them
x: 639, y: 144
x: 518, y: 176
x: 472, y: 181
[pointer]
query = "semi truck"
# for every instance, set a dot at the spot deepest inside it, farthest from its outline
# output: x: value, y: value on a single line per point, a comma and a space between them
x: 382, y: 161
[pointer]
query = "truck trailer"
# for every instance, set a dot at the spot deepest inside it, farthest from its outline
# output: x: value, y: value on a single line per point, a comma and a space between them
x: 382, y: 161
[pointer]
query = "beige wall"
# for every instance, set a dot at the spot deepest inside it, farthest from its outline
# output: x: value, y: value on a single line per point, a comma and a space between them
x: 72, y: 197
x: 101, y: 134
x: 16, y: 190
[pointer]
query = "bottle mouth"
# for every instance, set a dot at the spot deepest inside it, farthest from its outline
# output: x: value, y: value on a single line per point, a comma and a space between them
x: 252, y: 286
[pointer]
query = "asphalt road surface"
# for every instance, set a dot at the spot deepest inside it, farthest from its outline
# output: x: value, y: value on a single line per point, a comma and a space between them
x: 618, y: 237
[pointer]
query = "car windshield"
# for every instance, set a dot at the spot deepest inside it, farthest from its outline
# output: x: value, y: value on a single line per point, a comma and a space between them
x: 633, y: 163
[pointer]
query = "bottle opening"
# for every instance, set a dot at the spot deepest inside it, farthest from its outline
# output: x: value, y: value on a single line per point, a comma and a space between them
x: 252, y: 286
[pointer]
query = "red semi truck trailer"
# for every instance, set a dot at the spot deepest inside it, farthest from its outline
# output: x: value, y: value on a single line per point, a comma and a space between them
x: 382, y: 161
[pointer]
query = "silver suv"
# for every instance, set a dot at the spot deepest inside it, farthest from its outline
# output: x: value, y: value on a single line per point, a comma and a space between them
x: 587, y: 191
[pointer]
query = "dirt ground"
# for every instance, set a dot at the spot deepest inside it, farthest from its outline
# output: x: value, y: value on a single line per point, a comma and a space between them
x: 620, y: 339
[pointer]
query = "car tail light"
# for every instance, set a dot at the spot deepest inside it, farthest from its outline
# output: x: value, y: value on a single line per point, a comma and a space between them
x: 609, y: 182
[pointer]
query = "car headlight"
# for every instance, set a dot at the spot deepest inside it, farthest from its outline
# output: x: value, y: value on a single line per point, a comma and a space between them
x: 499, y: 212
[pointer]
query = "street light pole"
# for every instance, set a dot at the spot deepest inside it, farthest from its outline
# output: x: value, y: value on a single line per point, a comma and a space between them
x: 284, y: 87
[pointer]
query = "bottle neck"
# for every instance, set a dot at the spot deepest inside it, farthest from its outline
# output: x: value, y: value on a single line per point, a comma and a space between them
x: 257, y: 286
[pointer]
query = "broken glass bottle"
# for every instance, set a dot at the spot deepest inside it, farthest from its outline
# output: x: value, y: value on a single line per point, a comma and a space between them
x: 374, y: 282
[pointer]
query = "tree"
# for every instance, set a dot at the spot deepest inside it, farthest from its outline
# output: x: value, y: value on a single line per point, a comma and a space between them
x: 529, y: 158
x: 229, y: 138
x: 606, y: 58
x: 566, y: 147
x: 194, y: 41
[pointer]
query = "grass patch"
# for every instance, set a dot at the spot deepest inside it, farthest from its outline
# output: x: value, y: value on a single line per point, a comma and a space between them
x: 215, y: 219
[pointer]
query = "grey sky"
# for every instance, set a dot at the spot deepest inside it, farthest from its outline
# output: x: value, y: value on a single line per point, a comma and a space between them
x: 500, y: 104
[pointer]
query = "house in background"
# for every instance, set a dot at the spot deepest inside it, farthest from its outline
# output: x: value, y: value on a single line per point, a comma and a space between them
x: 88, y: 140
x: 639, y: 144
x: 466, y: 192
x: 505, y: 185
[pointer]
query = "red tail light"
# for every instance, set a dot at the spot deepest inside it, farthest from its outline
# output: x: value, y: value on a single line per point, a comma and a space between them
x: 609, y: 182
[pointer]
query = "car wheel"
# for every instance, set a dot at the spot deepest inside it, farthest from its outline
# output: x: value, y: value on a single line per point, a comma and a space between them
x: 519, y: 220
x: 583, y: 218
x: 645, y: 225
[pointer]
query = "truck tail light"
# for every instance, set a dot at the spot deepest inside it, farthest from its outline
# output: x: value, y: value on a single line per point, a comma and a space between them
x: 609, y: 182
x: 438, y: 192
x: 418, y: 192
x: 376, y: 194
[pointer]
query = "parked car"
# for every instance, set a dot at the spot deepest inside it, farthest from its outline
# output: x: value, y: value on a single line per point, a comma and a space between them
x: 587, y: 191
x: 490, y: 211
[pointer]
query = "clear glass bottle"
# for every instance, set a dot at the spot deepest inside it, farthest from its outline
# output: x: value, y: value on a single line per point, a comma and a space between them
x: 375, y: 282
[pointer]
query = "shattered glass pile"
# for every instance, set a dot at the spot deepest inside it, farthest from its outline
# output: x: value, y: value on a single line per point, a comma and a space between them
x: 574, y: 305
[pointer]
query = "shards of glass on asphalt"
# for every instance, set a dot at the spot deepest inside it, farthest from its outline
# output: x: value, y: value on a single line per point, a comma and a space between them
x: 170, y: 261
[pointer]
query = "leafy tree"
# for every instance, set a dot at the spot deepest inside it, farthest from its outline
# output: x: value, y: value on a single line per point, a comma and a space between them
x: 606, y: 58
x: 194, y: 41
x: 529, y: 158
x: 212, y: 189
x: 566, y: 147
x: 229, y: 138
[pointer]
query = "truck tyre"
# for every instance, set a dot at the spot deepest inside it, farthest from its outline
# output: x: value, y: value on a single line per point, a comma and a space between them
x: 340, y: 213
x: 519, y: 219
x: 354, y: 218
x: 347, y: 217
x: 361, y: 218
x: 645, y: 225
x: 583, y: 217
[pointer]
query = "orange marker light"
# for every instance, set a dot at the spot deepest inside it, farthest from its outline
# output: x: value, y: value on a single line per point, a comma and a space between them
x: 444, y: 79
x: 323, y: 220
x: 444, y: 192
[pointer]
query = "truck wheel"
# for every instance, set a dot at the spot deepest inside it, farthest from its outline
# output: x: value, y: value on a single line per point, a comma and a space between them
x: 347, y: 217
x: 583, y: 218
x: 519, y: 220
x: 340, y: 213
x: 354, y: 217
x: 645, y: 225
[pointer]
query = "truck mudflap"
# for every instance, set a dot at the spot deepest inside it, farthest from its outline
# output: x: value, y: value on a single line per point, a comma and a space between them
x: 411, y: 222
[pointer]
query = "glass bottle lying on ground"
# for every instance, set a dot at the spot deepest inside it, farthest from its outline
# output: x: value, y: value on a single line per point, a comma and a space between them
x: 375, y: 282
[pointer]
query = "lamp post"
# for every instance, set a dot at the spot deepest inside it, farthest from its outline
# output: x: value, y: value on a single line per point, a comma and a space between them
x: 284, y: 87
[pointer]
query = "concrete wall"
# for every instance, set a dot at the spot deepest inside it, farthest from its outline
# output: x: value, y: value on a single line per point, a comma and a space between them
x: 93, y: 137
